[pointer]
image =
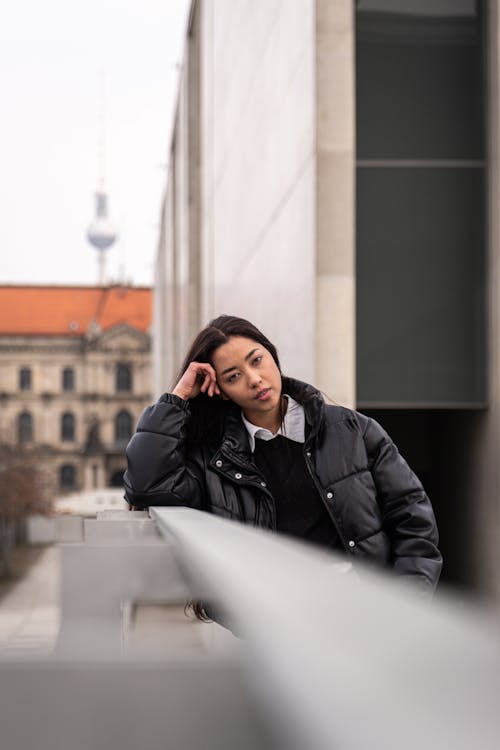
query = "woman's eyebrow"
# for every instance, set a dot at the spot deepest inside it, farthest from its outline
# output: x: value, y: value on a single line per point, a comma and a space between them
x: 233, y: 367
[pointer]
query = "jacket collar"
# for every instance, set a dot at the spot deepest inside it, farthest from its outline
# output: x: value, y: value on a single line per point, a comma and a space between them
x: 236, y: 440
x: 311, y: 399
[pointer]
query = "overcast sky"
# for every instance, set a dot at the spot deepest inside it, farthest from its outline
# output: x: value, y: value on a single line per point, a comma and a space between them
x: 53, y: 58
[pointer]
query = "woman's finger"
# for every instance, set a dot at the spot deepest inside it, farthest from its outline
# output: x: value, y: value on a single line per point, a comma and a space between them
x: 206, y: 382
x: 199, y: 377
x: 211, y: 389
x: 207, y: 371
x: 202, y: 368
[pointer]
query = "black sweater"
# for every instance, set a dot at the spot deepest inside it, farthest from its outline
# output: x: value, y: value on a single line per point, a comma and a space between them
x: 300, y: 512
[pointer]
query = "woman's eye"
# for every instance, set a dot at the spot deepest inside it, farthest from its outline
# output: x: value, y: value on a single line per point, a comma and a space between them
x: 232, y: 377
x: 258, y: 360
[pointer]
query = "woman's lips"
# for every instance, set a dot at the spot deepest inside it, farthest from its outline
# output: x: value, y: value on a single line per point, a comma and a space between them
x: 263, y: 395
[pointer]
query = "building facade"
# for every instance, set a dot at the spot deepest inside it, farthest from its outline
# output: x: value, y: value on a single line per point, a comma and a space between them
x: 75, y: 374
x: 334, y: 176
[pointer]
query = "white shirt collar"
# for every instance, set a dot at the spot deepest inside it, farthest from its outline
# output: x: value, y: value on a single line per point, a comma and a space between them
x: 293, y: 426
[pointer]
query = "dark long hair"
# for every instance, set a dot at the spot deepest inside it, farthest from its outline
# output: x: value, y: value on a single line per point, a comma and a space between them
x: 207, y: 414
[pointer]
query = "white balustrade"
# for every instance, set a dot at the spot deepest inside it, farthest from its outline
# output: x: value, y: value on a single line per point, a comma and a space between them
x: 329, y: 657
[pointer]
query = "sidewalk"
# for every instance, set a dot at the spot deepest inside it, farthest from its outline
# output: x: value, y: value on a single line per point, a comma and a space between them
x: 29, y: 611
x: 30, y: 615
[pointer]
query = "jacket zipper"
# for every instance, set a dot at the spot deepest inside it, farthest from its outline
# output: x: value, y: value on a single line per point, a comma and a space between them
x: 328, y: 510
x: 245, y: 465
x: 261, y: 487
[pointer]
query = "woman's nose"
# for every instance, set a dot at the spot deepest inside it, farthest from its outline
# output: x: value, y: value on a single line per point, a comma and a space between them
x: 254, y: 379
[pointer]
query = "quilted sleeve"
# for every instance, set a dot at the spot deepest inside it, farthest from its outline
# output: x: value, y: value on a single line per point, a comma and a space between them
x: 158, y: 470
x: 407, y: 513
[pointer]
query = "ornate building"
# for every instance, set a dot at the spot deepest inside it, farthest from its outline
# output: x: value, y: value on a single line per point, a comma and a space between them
x: 75, y: 374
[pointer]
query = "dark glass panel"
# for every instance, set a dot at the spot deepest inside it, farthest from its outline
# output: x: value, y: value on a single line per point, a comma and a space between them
x: 420, y: 286
x: 419, y: 74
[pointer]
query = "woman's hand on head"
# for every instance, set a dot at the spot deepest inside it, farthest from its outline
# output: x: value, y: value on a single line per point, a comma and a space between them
x: 199, y: 378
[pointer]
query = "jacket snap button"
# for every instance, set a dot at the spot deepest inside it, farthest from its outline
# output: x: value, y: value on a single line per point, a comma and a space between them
x: 263, y: 484
x: 308, y: 454
x: 352, y: 544
x: 218, y: 463
x: 238, y: 476
x: 329, y: 495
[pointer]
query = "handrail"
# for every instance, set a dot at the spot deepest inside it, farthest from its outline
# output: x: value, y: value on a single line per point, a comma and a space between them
x: 343, y: 661
x: 328, y: 658
x: 117, y: 562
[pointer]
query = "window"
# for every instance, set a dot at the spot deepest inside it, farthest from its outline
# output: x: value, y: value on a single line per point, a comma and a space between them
x: 68, y: 379
x: 123, y: 427
x: 67, y: 427
x: 117, y: 478
x: 67, y: 476
x: 25, y: 427
x: 123, y: 378
x: 25, y: 379
x: 420, y: 204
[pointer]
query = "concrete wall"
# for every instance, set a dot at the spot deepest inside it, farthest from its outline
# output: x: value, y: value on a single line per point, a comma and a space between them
x: 239, y: 218
x: 335, y: 345
x: 484, y: 490
x: 258, y: 217
x: 165, y: 349
x: 177, y: 283
x: 259, y: 176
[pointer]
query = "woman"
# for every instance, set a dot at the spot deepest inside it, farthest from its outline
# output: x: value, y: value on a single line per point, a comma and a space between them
x: 238, y: 439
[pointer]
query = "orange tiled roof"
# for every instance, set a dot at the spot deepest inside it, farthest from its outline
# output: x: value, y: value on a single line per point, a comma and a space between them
x: 69, y: 310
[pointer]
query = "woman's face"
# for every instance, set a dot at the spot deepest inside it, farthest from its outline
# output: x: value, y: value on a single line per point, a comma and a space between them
x: 248, y: 375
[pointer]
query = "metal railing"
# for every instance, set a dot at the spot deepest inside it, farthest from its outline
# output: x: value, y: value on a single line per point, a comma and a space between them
x: 328, y: 658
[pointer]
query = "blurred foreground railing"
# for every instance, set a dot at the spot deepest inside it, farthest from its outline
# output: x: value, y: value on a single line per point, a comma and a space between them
x: 327, y: 660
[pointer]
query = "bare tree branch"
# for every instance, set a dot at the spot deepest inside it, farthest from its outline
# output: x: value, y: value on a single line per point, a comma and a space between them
x: 24, y: 483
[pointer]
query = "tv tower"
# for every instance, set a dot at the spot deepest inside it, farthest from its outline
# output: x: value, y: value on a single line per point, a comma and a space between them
x: 101, y: 232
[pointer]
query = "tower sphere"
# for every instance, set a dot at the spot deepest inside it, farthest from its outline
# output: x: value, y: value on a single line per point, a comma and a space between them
x: 101, y: 232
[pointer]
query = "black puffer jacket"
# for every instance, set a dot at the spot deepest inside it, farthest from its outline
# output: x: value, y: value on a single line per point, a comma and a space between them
x: 375, y: 501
